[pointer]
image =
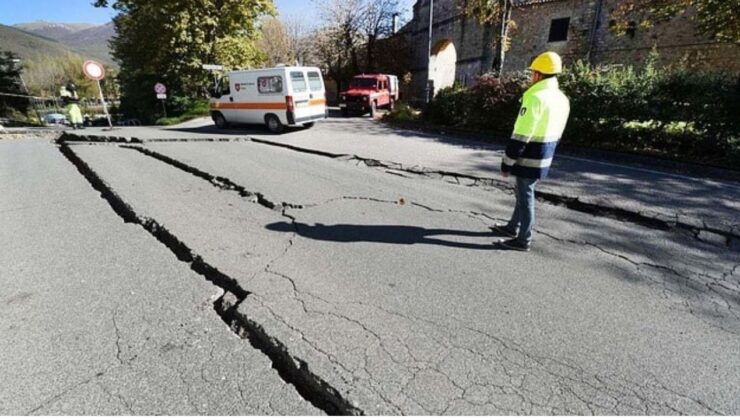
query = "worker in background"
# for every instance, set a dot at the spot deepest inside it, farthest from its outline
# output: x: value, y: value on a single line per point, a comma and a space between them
x: 70, y: 98
x: 529, y: 152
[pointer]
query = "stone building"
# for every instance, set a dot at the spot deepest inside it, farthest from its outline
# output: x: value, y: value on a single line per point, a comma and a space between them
x: 462, y: 49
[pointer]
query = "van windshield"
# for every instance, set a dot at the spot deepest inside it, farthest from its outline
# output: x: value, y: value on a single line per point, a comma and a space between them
x: 314, y: 81
x: 363, y: 83
x: 299, y: 81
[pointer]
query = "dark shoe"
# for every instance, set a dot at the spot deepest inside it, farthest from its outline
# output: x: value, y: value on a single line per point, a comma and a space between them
x: 504, y: 230
x: 515, y: 245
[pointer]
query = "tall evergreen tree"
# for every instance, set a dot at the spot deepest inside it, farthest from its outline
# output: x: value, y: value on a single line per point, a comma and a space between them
x: 10, y: 83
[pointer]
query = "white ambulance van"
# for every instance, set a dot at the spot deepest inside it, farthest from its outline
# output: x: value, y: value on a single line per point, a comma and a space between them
x: 277, y: 97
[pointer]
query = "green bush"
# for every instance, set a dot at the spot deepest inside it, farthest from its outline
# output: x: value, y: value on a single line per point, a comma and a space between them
x: 403, y: 113
x: 491, y: 105
x: 451, y: 106
x: 183, y: 109
x: 671, y: 112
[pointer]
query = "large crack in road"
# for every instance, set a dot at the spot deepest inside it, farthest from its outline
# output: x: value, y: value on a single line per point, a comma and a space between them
x: 292, y: 369
x: 717, y: 285
x: 700, y: 230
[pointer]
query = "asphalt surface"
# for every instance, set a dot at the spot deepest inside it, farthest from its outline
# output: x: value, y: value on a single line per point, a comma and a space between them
x: 238, y: 277
x: 390, y: 291
x: 98, y: 318
x: 704, y: 204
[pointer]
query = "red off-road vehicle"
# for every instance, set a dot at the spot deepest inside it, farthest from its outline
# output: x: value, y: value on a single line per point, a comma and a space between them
x: 368, y: 93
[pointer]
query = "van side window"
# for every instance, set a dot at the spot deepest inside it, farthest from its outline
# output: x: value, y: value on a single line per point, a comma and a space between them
x: 225, y: 86
x: 314, y: 81
x: 272, y: 84
x: 298, y: 81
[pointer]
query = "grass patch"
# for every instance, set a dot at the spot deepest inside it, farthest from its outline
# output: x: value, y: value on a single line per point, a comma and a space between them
x: 186, y: 110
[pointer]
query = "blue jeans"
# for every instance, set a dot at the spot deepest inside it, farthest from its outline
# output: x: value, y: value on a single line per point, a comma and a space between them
x: 523, y: 217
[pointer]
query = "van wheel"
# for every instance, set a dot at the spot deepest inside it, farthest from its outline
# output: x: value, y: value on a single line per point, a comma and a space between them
x: 308, y: 125
x: 273, y: 124
x: 220, y: 121
x: 373, y: 109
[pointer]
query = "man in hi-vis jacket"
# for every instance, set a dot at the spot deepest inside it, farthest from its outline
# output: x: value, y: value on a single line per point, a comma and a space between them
x: 530, y: 150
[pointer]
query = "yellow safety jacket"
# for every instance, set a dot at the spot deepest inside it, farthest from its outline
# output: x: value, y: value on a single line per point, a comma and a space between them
x: 75, y: 115
x: 538, y: 129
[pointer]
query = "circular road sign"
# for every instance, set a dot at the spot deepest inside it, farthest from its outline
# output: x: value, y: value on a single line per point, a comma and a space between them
x: 160, y: 89
x: 93, y: 70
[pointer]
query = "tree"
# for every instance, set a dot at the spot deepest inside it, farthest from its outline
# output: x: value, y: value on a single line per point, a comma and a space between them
x: 10, y: 83
x: 376, y: 22
x: 169, y: 41
x: 719, y: 19
x: 349, y: 41
x: 45, y: 76
x: 299, y: 36
x: 341, y: 32
x: 490, y: 13
x: 275, y: 43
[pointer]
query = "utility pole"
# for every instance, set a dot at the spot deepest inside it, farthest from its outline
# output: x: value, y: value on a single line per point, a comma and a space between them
x: 429, y: 52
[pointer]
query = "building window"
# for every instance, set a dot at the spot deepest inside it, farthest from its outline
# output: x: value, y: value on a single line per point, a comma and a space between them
x: 273, y: 84
x: 631, y: 29
x: 559, y: 30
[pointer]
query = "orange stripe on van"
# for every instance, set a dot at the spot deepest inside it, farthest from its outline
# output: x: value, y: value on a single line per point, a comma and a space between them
x: 314, y: 102
x: 249, y: 105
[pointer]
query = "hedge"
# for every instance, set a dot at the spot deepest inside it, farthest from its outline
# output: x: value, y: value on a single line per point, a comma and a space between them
x: 669, y: 112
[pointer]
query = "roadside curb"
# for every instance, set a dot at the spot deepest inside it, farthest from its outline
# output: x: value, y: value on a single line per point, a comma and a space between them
x: 721, y: 235
x: 608, y: 156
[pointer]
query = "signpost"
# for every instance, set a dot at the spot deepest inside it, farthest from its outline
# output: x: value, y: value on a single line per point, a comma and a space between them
x: 95, y: 71
x: 161, y: 90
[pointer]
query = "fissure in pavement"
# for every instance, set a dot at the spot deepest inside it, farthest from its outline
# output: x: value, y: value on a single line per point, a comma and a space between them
x: 259, y: 198
x: 291, y: 369
x: 731, y: 239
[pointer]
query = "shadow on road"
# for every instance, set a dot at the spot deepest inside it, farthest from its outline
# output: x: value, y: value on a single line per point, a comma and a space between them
x: 386, y: 234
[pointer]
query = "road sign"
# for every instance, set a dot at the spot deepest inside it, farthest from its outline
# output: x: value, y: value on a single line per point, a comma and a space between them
x: 160, y: 88
x: 214, y: 67
x: 93, y: 70
x: 161, y: 96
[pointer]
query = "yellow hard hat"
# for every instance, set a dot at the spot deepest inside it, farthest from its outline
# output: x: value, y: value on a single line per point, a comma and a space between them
x: 547, y: 63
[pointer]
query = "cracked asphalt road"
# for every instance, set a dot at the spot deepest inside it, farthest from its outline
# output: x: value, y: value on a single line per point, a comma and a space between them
x: 97, y: 318
x: 693, y: 201
x: 362, y: 290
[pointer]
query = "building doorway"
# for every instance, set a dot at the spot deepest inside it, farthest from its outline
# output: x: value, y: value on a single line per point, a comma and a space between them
x: 443, y: 65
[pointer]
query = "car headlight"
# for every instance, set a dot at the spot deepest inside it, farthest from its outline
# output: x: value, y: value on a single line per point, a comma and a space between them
x: 365, y: 98
x: 344, y: 98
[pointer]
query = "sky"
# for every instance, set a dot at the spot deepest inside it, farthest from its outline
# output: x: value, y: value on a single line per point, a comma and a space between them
x: 81, y: 11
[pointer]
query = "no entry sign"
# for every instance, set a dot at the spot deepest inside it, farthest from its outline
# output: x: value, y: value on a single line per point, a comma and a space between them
x: 93, y: 70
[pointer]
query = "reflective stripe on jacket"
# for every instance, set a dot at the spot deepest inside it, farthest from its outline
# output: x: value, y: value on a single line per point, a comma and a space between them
x: 537, y: 131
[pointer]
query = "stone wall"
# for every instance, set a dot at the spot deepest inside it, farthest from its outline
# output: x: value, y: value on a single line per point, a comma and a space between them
x: 676, y: 41
x: 471, y: 41
x: 589, y: 39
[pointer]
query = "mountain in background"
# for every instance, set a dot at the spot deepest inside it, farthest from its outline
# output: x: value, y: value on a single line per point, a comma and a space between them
x: 41, y: 38
x: 29, y: 46
x: 52, y: 30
